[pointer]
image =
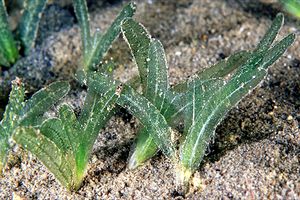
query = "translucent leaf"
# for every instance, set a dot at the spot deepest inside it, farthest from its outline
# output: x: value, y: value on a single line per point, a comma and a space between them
x: 15, y: 105
x: 150, y: 117
x: 46, y: 151
x: 4, y: 147
x: 53, y: 129
x: 96, y: 112
x: 8, y: 48
x: 144, y: 149
x: 156, y: 91
x: 213, y: 110
x: 69, y: 139
x: 276, y: 52
x: 42, y: 101
x: 28, y: 26
x: 198, y: 92
x: 271, y: 34
x: 10, y: 119
x: 98, y: 50
x: 19, y: 113
x: 219, y: 70
x: 142, y: 109
x: 225, y: 67
x: 138, y: 40
x: 71, y: 127
x: 81, y: 11
x: 145, y: 146
x: 157, y: 80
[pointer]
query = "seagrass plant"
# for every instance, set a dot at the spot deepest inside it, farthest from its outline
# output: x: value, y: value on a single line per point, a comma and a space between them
x: 64, y: 143
x: 202, y: 101
x: 26, y: 31
x: 19, y: 112
x: 96, y: 46
x: 150, y: 59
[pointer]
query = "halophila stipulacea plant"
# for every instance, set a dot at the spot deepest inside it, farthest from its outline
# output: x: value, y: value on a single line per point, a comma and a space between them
x: 96, y: 46
x: 19, y: 112
x: 64, y: 143
x: 204, y: 99
x: 26, y: 31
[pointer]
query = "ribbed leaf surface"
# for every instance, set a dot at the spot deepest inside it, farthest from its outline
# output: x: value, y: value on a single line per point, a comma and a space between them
x: 214, y: 109
x: 42, y: 101
x: 8, y: 48
x: 138, y: 40
x: 20, y: 113
x: 47, y: 152
x: 28, y: 27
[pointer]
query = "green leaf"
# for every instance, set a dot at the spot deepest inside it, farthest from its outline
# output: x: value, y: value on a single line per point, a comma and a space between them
x: 8, y: 48
x: 204, y: 101
x: 42, y: 101
x: 219, y: 70
x: 292, y: 6
x: 18, y: 113
x: 142, y: 109
x: 150, y: 117
x: 96, y: 112
x: 225, y: 67
x: 214, y: 108
x: 61, y: 130
x: 3, y: 61
x: 46, y: 151
x: 4, y: 147
x: 71, y: 139
x: 10, y: 119
x: 270, y: 35
x: 70, y: 126
x: 277, y: 51
x: 98, y: 46
x: 29, y: 23
x: 157, y: 78
x: 144, y: 149
x: 198, y: 91
x: 138, y: 40
x: 14, y: 107
x: 81, y: 11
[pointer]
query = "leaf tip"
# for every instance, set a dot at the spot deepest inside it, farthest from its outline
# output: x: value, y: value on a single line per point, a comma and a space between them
x: 280, y: 17
x: 132, y: 6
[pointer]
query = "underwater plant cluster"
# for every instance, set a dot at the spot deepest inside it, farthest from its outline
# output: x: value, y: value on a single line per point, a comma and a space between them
x: 64, y: 143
